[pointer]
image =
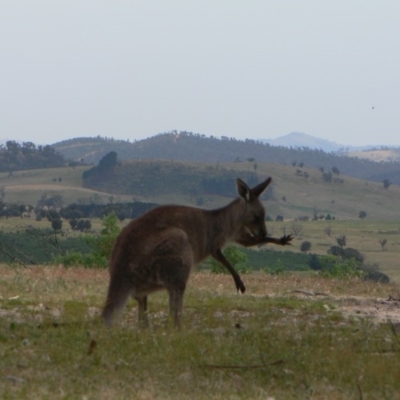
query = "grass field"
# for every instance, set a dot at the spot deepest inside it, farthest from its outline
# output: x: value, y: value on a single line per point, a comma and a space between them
x: 274, y: 342
x: 363, y: 235
x: 294, y: 195
x: 27, y: 187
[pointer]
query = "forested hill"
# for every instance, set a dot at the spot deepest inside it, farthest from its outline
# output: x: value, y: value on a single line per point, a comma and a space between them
x: 186, y: 146
x: 16, y: 157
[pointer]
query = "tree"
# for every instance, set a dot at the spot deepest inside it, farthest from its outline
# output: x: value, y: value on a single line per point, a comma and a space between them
x: 386, y: 183
x: 83, y: 225
x: 297, y: 228
x: 56, y: 224
x: 335, y: 170
x: 73, y: 222
x: 52, y: 215
x: 108, y: 235
x: 305, y: 246
x: 341, y: 241
x: 362, y: 214
x: 383, y: 243
x: 351, y: 253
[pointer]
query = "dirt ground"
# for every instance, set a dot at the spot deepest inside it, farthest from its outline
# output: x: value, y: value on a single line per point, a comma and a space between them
x: 353, y: 298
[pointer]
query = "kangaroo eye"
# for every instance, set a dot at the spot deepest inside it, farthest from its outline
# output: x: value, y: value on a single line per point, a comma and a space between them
x: 258, y: 218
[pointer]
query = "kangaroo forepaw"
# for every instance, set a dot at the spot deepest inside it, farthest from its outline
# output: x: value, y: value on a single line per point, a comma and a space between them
x: 286, y: 239
x: 240, y: 287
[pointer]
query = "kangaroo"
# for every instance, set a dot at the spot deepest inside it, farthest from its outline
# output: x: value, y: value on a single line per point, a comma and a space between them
x: 159, y: 249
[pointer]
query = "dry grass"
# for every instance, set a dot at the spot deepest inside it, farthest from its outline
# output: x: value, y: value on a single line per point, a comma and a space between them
x: 276, y: 341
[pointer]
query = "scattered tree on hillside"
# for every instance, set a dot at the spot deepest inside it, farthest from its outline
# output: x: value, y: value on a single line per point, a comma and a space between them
x: 383, y: 243
x: 49, y: 202
x: 297, y: 228
x: 341, y: 241
x: 362, y: 214
x: 56, y: 224
x: 190, y: 146
x: 328, y: 230
x: 327, y: 176
x: 305, y: 246
x: 386, y: 183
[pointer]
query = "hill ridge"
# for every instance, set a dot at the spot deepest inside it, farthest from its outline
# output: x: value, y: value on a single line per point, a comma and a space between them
x: 187, y: 146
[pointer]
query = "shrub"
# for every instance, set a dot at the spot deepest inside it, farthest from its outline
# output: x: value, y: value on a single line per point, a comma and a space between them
x: 103, y: 244
x: 372, y: 273
x: 314, y: 262
x: 333, y: 267
x: 236, y: 258
x: 305, y: 246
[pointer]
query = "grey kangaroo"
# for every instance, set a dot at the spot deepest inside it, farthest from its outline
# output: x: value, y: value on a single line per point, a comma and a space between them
x: 159, y: 250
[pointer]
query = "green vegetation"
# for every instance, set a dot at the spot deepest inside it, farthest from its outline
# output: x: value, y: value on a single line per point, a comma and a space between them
x: 272, y: 344
x: 16, y: 157
x: 236, y: 258
x: 33, y: 246
x: 100, y: 247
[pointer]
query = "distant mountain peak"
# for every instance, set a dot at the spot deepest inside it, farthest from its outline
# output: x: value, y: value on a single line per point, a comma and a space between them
x: 301, y: 139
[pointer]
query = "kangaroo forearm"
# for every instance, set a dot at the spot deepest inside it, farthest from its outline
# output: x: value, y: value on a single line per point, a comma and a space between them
x: 221, y: 258
x: 249, y: 241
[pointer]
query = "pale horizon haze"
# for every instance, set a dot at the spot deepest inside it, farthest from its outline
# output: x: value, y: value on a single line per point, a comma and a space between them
x: 255, y: 69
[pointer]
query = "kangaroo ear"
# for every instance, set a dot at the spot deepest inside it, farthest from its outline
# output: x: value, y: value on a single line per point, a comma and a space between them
x: 243, y: 190
x: 257, y: 190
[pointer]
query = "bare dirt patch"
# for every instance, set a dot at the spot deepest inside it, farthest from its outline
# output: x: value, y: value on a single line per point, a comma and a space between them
x: 353, y: 298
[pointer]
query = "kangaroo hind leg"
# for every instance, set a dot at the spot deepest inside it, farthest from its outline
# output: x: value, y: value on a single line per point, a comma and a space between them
x: 173, y: 263
x: 176, y: 304
x: 142, y: 310
x: 174, y: 272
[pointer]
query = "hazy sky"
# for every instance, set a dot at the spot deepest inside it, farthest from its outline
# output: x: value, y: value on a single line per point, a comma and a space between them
x: 238, y: 68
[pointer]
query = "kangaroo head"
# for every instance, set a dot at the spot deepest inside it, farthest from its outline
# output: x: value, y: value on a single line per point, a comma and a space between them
x: 254, y: 214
